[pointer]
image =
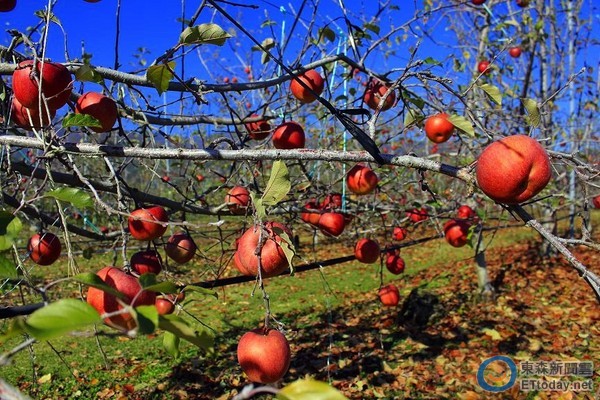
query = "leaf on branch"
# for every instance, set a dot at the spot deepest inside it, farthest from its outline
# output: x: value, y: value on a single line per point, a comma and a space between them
x: 147, y: 319
x: 431, y: 61
x: 149, y: 283
x: 74, y: 196
x: 412, y: 117
x: 462, y: 123
x: 44, y: 15
x: 80, y: 120
x: 493, y: 92
x: 7, y: 268
x: 326, y: 33
x: 287, y: 246
x: 10, y: 226
x: 182, y: 329
x: 93, y: 280
x: 60, y: 317
x: 533, y: 111
x: 309, y: 389
x: 160, y: 76
x: 87, y: 73
x: 266, y: 44
x: 373, y: 28
x: 204, y: 34
x: 171, y: 344
x: 257, y: 203
x: 279, y: 184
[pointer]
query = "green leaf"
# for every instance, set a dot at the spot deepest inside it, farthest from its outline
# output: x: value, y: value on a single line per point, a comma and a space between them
x: 268, y: 22
x: 279, y: 184
x: 412, y: 117
x: 266, y: 44
x: 182, y: 329
x: 10, y: 226
x: 160, y: 76
x: 493, y: 92
x: 80, y: 120
x: 8, y: 269
x: 171, y: 344
x: 204, y: 34
x: 77, y: 197
x: 93, y: 280
x: 533, y: 111
x: 287, y: 246
x: 147, y: 318
x: 149, y: 283
x: 60, y: 317
x: 373, y: 28
x: 308, y: 389
x: 431, y: 61
x: 326, y: 33
x: 201, y: 290
x: 43, y: 15
x: 87, y: 73
x: 462, y: 123
x: 257, y: 203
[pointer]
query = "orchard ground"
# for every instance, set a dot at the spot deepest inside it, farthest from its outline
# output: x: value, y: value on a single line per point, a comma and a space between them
x: 430, y: 346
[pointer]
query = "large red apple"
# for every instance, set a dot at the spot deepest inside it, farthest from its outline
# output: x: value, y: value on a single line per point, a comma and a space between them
x: 55, y: 84
x: 107, y: 303
x: 180, y: 248
x: 389, y: 295
x: 394, y: 263
x: 7, y: 5
x: 264, y: 355
x: 332, y: 223
x: 596, y: 201
x: 238, y: 199
x: 103, y: 108
x: 258, y: 130
x: 399, y: 233
x: 438, y: 128
x: 21, y: 116
x: 367, y: 251
x: 361, y: 180
x: 289, y: 135
x: 147, y: 261
x: 313, y: 80
x: 272, y: 258
x: 375, y: 93
x: 465, y: 212
x: 513, y: 169
x: 456, y: 232
x: 145, y: 223
x: 44, y: 248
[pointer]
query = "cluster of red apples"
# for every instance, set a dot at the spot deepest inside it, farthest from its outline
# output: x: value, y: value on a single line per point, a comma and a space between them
x: 41, y: 88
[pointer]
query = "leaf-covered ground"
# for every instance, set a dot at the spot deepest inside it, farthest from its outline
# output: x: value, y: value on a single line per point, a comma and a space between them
x: 428, y: 347
x: 432, y: 344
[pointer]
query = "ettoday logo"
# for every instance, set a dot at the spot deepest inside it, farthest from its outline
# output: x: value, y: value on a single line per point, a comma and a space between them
x: 490, y: 375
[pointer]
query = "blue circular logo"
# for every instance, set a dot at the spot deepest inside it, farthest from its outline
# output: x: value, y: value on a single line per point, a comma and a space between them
x: 496, y: 389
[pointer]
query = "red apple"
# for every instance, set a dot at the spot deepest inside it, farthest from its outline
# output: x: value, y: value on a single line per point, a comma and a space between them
x: 142, y: 225
x: 238, y: 200
x: 103, y: 108
x: 129, y: 286
x: 44, y: 248
x: 389, y: 295
x: 417, y: 215
x: 20, y: 116
x: 514, y: 52
x: 478, y: 2
x: 313, y: 80
x: 465, y: 212
x: 375, y: 93
x: 289, y: 135
x: 273, y: 260
x: 309, y: 216
x: 513, y: 170
x: 484, y: 67
x: 7, y: 5
x: 264, y: 355
x: 361, y: 180
x: 258, y: 130
x: 55, y: 84
x: 456, y: 232
x: 399, y: 233
x: 332, y: 223
x: 332, y: 201
x: 367, y: 251
x: 147, y: 261
x: 522, y: 3
x: 596, y: 201
x: 438, y: 128
x: 180, y: 248
x: 394, y: 263
x: 164, y: 306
